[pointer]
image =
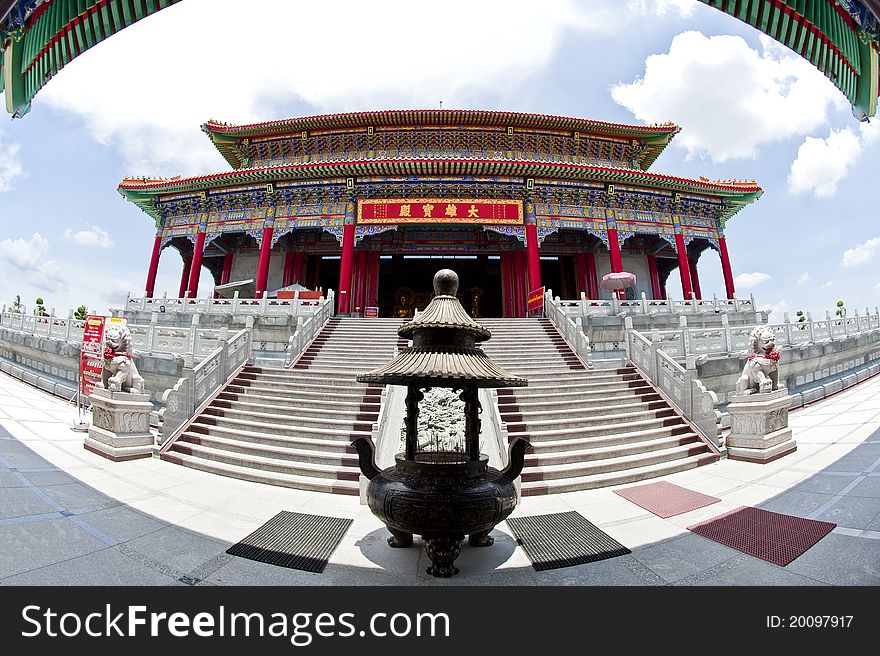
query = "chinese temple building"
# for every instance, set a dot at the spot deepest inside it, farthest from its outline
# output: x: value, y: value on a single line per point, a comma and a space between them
x: 371, y: 204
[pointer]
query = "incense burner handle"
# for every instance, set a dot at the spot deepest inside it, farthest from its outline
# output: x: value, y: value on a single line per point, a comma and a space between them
x: 366, y: 462
x: 516, y: 458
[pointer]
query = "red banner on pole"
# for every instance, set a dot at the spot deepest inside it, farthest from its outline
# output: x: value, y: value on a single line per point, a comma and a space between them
x: 535, y: 300
x: 91, y: 360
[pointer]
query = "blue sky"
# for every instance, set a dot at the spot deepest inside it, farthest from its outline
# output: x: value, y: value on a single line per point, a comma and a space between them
x: 749, y: 109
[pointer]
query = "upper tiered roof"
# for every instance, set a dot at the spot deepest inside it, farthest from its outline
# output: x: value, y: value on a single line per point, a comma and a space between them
x: 231, y: 140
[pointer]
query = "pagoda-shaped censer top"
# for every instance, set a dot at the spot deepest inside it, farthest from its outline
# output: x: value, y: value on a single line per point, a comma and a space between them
x: 443, y: 351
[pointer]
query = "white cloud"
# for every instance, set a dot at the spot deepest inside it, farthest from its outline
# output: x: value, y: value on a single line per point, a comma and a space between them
x: 803, y: 278
x: 10, y: 164
x: 861, y: 254
x: 821, y: 164
x: 729, y: 98
x: 92, y: 236
x: 828, y: 284
x: 777, y: 311
x: 683, y: 8
x: 750, y: 280
x: 31, y: 257
x: 318, y: 57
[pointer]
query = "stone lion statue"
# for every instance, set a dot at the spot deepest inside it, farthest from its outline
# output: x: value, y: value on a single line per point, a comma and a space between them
x: 119, y: 373
x: 761, y: 373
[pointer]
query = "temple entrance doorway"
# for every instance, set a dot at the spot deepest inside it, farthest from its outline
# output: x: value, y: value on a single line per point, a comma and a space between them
x: 405, y: 283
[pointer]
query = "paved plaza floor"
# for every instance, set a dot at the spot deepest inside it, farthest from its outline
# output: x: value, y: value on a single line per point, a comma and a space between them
x: 70, y: 517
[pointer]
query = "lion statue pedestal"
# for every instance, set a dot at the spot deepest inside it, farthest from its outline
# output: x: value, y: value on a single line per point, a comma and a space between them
x: 759, y: 409
x: 121, y: 409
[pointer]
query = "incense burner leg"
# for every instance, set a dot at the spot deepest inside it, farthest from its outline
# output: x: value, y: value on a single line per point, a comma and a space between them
x: 399, y: 539
x: 481, y: 539
x: 443, y: 551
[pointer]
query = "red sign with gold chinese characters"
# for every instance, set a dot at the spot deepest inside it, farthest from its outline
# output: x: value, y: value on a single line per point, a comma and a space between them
x: 440, y: 210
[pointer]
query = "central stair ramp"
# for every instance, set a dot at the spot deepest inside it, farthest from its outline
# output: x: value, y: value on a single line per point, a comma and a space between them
x: 588, y: 428
x: 293, y: 427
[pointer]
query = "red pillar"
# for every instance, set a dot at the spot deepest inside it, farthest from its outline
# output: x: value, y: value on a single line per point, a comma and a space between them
x: 263, y: 263
x: 695, y: 278
x: 592, y: 283
x: 655, y: 277
x: 616, y: 260
x: 154, y: 266
x: 290, y: 262
x: 184, y: 276
x: 580, y: 272
x: 227, y: 268
x: 345, y: 266
x: 532, y: 256
x: 725, y: 268
x: 684, y: 269
x: 195, y: 269
x: 663, y: 292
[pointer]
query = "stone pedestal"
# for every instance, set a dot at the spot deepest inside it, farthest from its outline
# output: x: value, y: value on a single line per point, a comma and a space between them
x: 120, y: 427
x: 759, y: 427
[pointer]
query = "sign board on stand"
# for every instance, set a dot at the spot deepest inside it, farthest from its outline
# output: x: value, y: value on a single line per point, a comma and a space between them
x: 535, y: 302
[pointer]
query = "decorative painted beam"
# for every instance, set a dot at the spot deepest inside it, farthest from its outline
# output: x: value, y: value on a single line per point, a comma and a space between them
x: 56, y: 32
x: 838, y: 37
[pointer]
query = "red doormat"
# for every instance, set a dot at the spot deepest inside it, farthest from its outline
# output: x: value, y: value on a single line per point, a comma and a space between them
x: 771, y: 536
x: 665, y: 499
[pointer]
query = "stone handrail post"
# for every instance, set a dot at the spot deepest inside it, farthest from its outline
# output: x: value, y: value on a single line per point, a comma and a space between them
x: 787, y: 328
x: 644, y: 303
x: 811, y: 328
x: 728, y: 338
x: 685, y: 336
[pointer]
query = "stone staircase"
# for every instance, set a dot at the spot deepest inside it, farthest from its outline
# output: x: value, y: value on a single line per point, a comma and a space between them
x: 588, y: 428
x: 293, y: 427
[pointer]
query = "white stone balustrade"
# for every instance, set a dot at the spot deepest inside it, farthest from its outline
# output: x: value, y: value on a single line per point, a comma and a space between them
x: 227, y: 306
x: 585, y: 307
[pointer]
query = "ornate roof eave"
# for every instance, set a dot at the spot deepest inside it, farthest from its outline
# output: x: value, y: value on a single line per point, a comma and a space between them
x: 135, y: 188
x: 227, y: 137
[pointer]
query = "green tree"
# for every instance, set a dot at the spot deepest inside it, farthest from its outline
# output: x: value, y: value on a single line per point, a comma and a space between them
x: 801, y: 316
x: 80, y: 313
x: 40, y: 310
x: 841, y: 310
x: 16, y: 306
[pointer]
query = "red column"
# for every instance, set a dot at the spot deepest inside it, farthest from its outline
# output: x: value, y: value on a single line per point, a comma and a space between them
x: 725, y: 268
x: 154, y: 266
x: 263, y: 263
x: 195, y: 269
x: 227, y: 268
x: 532, y: 256
x: 684, y: 269
x: 663, y: 292
x: 345, y: 266
x: 655, y: 277
x: 695, y: 279
x: 616, y: 260
x: 290, y: 262
x: 184, y: 276
x: 580, y: 272
x: 592, y: 283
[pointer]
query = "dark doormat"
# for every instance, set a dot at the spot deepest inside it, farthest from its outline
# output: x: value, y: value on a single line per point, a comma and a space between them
x: 665, y: 499
x: 563, y: 540
x: 294, y: 540
x: 771, y: 536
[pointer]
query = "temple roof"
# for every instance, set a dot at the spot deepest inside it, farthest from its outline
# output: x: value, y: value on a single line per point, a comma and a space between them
x: 143, y: 190
x: 227, y: 138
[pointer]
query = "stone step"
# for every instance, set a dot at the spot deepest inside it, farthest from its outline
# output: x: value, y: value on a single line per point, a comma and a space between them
x: 611, y: 451
x: 339, y: 443
x: 284, y: 420
x: 353, y: 392
x: 599, y: 408
x: 303, y: 376
x: 261, y: 476
x: 570, y: 423
x: 315, y: 403
x: 576, y: 387
x: 552, y: 435
x: 267, y: 462
x: 606, y: 479
x: 612, y: 464
x: 563, y: 445
x: 349, y: 411
x: 338, y: 432
x: 509, y: 404
x: 293, y: 452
